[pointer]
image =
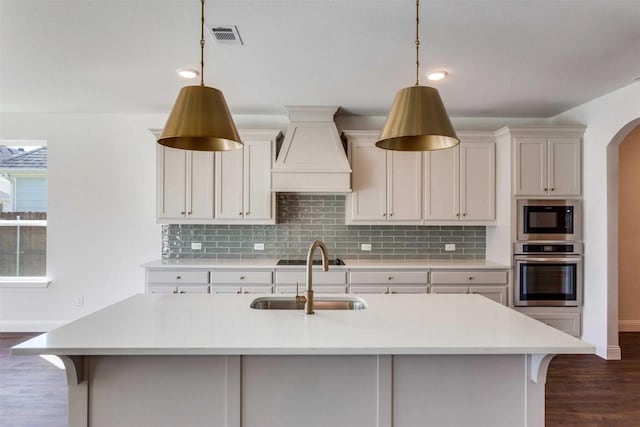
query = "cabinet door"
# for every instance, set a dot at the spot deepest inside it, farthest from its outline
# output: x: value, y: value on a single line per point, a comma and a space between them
x: 404, y: 186
x: 565, y: 166
x: 530, y: 166
x: 446, y: 289
x: 441, y: 184
x: 172, y: 184
x: 200, y: 188
x: 369, y: 182
x: 229, y: 185
x: 477, y: 181
x: 193, y: 289
x: 257, y: 180
x: 162, y: 289
x: 495, y: 293
x: 407, y: 289
x: 368, y: 289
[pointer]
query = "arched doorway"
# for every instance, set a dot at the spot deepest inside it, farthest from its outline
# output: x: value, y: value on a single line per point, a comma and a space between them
x: 629, y: 232
x: 613, y: 157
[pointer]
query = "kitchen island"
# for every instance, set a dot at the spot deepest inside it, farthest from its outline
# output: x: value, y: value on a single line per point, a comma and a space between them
x: 210, y: 360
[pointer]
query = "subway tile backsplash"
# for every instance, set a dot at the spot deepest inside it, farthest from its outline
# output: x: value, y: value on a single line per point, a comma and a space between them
x: 303, y: 218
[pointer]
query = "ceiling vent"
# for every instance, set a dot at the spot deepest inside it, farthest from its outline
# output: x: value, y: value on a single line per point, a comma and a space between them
x: 225, y: 34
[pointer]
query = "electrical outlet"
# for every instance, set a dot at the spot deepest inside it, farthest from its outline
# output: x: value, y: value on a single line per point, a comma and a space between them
x: 258, y: 246
x: 196, y: 246
x: 449, y: 247
x: 365, y: 247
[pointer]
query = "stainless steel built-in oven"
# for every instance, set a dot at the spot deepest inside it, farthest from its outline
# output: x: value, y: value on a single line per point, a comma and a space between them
x: 549, y: 220
x: 548, y: 274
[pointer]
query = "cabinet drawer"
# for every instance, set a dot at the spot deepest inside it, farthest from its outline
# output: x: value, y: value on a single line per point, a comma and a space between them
x: 319, y: 277
x: 470, y: 277
x: 389, y: 277
x: 321, y: 289
x: 409, y: 289
x: 177, y: 276
x: 241, y: 277
x: 566, y: 322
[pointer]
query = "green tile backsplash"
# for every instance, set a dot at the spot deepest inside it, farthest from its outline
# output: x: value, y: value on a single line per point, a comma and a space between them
x: 303, y: 218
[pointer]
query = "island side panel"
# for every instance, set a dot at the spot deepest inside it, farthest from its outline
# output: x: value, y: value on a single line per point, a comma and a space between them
x: 459, y: 391
x: 160, y: 391
x: 311, y: 391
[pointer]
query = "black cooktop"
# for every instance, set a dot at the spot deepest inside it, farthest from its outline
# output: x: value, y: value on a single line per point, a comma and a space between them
x: 336, y: 261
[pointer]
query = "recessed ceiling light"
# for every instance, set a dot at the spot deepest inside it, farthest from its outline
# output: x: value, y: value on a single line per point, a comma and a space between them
x: 437, y: 75
x: 188, y: 73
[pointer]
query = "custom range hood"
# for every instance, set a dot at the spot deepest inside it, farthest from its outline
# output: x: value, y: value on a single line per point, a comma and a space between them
x: 312, y: 157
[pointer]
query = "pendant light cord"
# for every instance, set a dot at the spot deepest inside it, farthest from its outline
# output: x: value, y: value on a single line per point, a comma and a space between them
x: 417, y: 43
x: 202, y: 44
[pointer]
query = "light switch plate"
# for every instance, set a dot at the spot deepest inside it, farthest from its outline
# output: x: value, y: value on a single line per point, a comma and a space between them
x: 449, y: 247
x: 365, y: 247
x: 258, y: 246
x: 196, y: 246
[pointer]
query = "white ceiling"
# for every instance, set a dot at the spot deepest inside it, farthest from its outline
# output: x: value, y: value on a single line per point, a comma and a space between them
x: 508, y: 58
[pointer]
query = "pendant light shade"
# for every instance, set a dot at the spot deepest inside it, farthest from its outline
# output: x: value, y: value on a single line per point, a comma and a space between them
x: 417, y: 121
x: 200, y: 120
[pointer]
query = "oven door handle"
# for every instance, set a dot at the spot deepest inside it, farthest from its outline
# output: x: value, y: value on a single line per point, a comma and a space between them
x: 549, y: 259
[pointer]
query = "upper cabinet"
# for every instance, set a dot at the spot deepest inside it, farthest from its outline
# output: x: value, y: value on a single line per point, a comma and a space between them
x: 231, y: 187
x: 243, y: 182
x: 387, y: 185
x: 444, y: 186
x: 184, y: 184
x: 459, y: 183
x: 546, y: 161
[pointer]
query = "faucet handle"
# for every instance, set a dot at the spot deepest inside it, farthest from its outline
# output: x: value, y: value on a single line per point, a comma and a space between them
x: 300, y: 299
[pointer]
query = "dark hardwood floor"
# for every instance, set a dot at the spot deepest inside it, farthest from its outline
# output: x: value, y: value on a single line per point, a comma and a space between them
x: 582, y: 391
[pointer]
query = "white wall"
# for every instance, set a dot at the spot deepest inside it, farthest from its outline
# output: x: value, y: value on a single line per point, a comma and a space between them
x: 101, y: 214
x: 608, y: 119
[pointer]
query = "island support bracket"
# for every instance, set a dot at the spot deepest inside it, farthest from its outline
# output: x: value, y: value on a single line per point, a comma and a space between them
x: 539, y: 364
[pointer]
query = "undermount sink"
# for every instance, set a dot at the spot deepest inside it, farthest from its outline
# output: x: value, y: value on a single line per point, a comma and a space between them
x: 319, y: 303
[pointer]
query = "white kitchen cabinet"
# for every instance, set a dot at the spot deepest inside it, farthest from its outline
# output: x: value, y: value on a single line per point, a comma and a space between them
x: 243, y: 181
x: 491, y: 284
x: 546, y: 161
x: 185, y: 185
x: 177, y: 281
x: 388, y: 282
x: 241, y: 282
x: 459, y: 183
x: 387, y: 185
x: 324, y: 282
x: 566, y: 319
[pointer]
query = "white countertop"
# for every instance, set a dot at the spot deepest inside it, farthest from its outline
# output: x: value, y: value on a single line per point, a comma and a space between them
x: 224, y: 325
x: 351, y: 264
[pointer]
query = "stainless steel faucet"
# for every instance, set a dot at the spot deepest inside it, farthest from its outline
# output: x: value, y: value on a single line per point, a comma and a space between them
x: 308, y: 306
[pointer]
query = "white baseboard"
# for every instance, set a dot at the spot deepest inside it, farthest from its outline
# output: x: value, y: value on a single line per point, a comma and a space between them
x: 629, y: 325
x: 30, y: 326
x: 614, y: 352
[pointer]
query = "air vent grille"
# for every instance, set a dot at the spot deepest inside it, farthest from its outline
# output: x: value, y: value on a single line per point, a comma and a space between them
x: 225, y: 34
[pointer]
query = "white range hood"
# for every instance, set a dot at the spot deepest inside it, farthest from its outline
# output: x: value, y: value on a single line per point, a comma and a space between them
x: 312, y: 157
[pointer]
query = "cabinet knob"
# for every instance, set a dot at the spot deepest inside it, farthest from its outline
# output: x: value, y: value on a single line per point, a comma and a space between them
x: 182, y: 213
x: 189, y: 213
x: 175, y: 292
x: 390, y: 278
x: 178, y: 277
x: 546, y: 189
x: 240, y: 213
x: 391, y: 214
x: 384, y: 214
x: 458, y: 214
x: 464, y: 214
x: 553, y: 189
x: 182, y: 292
x: 239, y: 292
x: 247, y: 213
x: 470, y: 277
x: 241, y: 277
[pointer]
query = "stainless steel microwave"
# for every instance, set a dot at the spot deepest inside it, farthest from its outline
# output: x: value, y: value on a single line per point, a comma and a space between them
x: 550, y: 220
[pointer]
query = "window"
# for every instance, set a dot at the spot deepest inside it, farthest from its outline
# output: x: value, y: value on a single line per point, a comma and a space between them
x: 23, y: 212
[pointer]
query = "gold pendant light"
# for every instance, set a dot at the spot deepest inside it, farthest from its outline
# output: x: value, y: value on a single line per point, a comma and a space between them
x: 200, y: 119
x: 418, y: 120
